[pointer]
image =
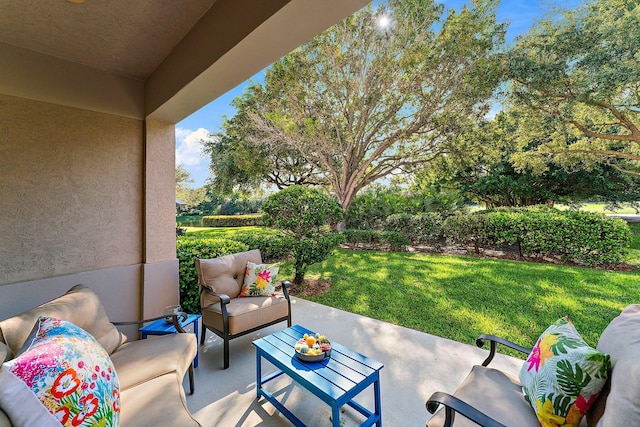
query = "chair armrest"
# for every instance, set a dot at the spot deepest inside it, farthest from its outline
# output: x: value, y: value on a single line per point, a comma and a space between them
x: 285, y: 285
x: 175, y: 319
x: 224, y: 299
x: 497, y: 340
x: 453, y: 405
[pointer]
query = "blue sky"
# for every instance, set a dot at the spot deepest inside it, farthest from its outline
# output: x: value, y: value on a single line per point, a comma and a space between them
x: 520, y: 14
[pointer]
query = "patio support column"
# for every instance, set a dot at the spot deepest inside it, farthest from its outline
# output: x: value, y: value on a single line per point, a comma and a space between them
x: 159, y: 286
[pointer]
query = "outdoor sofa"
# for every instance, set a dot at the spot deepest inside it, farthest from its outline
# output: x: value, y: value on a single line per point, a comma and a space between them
x: 492, y: 398
x: 150, y: 372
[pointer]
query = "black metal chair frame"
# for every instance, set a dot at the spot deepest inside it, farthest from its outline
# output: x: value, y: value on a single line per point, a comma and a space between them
x: 453, y: 405
x: 224, y: 334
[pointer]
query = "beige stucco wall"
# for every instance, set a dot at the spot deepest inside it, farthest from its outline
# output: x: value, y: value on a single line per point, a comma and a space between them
x: 71, y: 190
x: 160, y: 270
x: 89, y: 198
x: 160, y: 183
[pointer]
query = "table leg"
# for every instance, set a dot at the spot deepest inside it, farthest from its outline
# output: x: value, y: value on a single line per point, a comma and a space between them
x: 258, y: 373
x: 335, y: 415
x: 195, y: 331
x: 378, y: 408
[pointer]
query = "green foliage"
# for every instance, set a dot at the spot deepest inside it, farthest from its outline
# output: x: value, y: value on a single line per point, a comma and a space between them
x: 371, y: 209
x: 354, y: 236
x: 272, y: 247
x: 188, y: 250
x: 481, y: 168
x: 232, y: 221
x: 395, y: 240
x: 354, y: 105
x: 304, y: 214
x: 570, y: 236
x: 301, y: 211
x: 576, y: 76
x: 311, y: 250
x: 467, y: 230
x: 422, y: 228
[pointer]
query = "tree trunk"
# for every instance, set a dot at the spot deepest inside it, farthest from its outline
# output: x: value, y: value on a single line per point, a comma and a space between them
x: 298, y: 279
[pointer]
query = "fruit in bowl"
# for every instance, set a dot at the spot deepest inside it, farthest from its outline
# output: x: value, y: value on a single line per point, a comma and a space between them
x: 313, y: 347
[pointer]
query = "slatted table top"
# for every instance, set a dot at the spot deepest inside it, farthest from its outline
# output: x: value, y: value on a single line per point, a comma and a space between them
x: 336, y: 379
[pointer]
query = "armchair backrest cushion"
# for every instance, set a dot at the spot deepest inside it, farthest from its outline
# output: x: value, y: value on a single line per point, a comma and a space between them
x: 621, y: 340
x: 80, y: 306
x: 224, y: 275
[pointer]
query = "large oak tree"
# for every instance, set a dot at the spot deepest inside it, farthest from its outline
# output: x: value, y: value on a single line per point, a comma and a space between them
x: 578, y: 74
x: 360, y: 102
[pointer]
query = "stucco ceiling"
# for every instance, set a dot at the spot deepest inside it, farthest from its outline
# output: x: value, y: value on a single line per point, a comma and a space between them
x: 123, y: 37
x: 162, y: 59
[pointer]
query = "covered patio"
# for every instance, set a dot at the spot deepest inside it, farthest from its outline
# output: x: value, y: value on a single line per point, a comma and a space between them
x: 416, y: 364
x: 90, y: 92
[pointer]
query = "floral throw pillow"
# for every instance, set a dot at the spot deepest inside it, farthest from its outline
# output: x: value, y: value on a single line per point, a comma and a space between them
x: 259, y: 280
x: 62, y: 376
x: 563, y: 375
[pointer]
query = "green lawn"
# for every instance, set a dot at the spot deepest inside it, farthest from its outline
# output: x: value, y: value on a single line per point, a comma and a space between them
x: 227, y: 232
x: 602, y: 208
x: 462, y: 297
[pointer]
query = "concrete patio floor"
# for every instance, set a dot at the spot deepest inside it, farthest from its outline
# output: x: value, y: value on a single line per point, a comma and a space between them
x: 416, y: 365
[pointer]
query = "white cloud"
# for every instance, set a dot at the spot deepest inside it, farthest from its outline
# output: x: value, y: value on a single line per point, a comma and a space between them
x: 189, y: 145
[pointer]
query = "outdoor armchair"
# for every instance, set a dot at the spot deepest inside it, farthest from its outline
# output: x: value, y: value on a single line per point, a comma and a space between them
x: 485, y: 396
x: 224, y: 311
x: 490, y: 397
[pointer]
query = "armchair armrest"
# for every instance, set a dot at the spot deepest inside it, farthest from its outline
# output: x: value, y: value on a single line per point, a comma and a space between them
x: 453, y: 405
x: 224, y: 299
x: 285, y: 285
x: 175, y: 319
x: 497, y: 340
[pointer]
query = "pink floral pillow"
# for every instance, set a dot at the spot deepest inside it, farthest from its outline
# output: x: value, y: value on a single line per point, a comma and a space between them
x: 62, y: 376
x: 259, y: 280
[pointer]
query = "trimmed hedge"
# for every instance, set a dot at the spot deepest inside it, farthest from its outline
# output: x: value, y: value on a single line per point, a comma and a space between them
x: 586, y: 238
x: 397, y: 240
x: 571, y: 236
x: 232, y: 221
x: 272, y: 248
x: 188, y: 249
x: 422, y: 228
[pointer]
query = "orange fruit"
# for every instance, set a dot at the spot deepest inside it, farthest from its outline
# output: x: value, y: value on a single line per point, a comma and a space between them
x: 310, y: 341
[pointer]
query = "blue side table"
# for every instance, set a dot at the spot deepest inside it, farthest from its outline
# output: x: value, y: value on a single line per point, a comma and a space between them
x: 160, y: 327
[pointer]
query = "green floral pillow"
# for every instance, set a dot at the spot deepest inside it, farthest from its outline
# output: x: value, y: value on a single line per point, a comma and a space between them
x: 259, y: 280
x: 563, y: 375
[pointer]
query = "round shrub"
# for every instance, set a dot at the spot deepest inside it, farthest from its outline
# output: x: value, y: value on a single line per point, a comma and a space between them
x: 301, y: 211
x: 305, y: 214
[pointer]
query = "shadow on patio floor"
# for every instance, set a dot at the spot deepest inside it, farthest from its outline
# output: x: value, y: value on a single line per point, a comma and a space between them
x: 416, y: 365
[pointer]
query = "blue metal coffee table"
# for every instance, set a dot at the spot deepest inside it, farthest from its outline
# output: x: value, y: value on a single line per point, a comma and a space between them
x: 336, y: 380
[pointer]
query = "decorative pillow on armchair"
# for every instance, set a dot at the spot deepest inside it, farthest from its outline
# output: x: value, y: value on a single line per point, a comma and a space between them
x: 62, y: 376
x: 563, y: 375
x: 259, y: 280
